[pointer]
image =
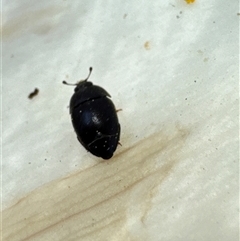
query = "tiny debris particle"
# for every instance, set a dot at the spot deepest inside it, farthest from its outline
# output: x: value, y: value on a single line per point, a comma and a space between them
x: 33, y: 94
x: 147, y: 45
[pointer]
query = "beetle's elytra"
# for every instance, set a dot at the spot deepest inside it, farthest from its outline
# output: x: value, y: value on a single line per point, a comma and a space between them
x: 94, y: 118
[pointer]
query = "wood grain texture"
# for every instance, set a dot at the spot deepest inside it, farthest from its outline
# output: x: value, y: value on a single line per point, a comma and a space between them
x: 95, y: 204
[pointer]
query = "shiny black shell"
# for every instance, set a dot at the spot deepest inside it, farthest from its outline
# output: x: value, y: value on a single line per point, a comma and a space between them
x: 94, y: 119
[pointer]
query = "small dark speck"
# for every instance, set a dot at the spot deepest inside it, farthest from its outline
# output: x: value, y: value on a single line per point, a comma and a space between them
x: 180, y: 12
x: 125, y: 15
x: 60, y: 161
x: 172, y: 207
x: 68, y: 186
x: 238, y: 14
x: 29, y: 163
x: 177, y: 16
x: 195, y: 81
x: 213, y: 21
x: 33, y: 94
x: 185, y: 98
x: 12, y: 55
x: 209, y: 140
x: 45, y: 159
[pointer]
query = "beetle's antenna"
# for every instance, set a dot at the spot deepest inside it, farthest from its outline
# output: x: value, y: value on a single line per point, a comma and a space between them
x: 90, y: 71
x: 64, y: 82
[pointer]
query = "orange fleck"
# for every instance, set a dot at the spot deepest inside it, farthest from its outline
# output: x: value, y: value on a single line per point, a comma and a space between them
x: 189, y: 1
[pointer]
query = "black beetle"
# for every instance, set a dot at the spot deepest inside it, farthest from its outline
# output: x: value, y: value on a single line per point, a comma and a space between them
x: 94, y: 118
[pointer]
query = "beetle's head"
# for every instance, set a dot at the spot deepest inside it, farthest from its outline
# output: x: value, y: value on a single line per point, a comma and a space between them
x: 81, y: 83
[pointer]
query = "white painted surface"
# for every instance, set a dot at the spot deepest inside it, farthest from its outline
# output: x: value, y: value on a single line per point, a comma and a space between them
x: 168, y: 65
